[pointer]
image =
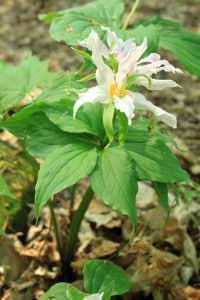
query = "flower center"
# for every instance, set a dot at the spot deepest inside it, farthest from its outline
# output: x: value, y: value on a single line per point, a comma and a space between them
x: 117, y: 90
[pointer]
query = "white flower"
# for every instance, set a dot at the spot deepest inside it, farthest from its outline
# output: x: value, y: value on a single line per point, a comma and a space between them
x: 113, y: 85
x: 94, y: 297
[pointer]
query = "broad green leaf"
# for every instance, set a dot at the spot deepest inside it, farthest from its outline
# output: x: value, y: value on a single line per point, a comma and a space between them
x: 63, y: 168
x: 56, y: 292
x: 66, y: 291
x: 88, y: 119
x: 4, y: 189
x: 104, y: 276
x: 93, y: 115
x: 183, y: 44
x: 76, y: 23
x: 162, y: 192
x: 75, y: 294
x: 18, y: 81
x: 140, y: 33
x: 41, y: 136
x: 61, y: 114
x: 155, y: 162
x: 139, y: 132
x: 114, y: 180
x: 26, y: 122
x: 47, y: 139
x: 63, y: 86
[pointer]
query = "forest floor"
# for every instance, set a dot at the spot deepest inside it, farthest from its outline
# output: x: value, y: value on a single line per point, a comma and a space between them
x: 164, y: 260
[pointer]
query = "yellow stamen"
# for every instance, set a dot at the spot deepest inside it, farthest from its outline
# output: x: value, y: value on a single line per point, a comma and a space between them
x: 117, y: 90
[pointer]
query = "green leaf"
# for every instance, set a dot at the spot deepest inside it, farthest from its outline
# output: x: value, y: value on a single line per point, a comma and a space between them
x: 48, y: 139
x: 63, y: 168
x: 93, y: 115
x: 63, y: 86
x: 183, y: 44
x: 39, y: 136
x: 162, y: 192
x: 56, y: 292
x: 139, y: 132
x: 4, y: 189
x: 104, y: 276
x: 27, y: 121
x: 89, y: 118
x: 18, y: 81
x: 61, y: 114
x: 155, y: 162
x: 65, y: 291
x: 73, y: 293
x: 140, y: 32
x: 114, y: 181
x: 76, y: 23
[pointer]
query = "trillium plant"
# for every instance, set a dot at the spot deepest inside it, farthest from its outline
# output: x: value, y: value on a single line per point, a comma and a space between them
x: 98, y: 123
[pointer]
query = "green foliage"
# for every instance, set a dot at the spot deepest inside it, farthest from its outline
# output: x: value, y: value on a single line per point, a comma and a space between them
x: 104, y: 276
x: 100, y: 278
x: 4, y: 189
x: 155, y: 162
x: 149, y: 32
x: 92, y: 16
x: 18, y: 81
x: 76, y: 23
x: 99, y: 142
x: 56, y: 292
x: 162, y: 192
x: 63, y: 168
x: 114, y: 180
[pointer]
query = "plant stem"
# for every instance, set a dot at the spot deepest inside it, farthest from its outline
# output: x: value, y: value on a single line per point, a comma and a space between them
x: 72, y: 195
x: 75, y: 226
x: 56, y: 230
x: 131, y: 14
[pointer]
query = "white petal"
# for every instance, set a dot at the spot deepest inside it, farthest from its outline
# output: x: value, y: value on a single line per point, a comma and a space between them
x: 127, y: 64
x: 150, y: 58
x: 104, y: 73
x: 113, y: 41
x: 94, y: 297
x: 93, y: 41
x: 126, y: 106
x: 142, y: 103
x: 156, y: 84
x: 94, y: 94
x: 154, y: 66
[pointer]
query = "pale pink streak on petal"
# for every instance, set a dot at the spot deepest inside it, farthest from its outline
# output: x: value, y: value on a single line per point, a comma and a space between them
x: 94, y: 94
x: 126, y: 106
x: 142, y: 103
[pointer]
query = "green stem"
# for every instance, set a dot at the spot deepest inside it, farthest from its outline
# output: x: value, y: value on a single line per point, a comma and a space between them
x: 55, y: 226
x: 75, y: 226
x: 131, y: 14
x: 72, y: 196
